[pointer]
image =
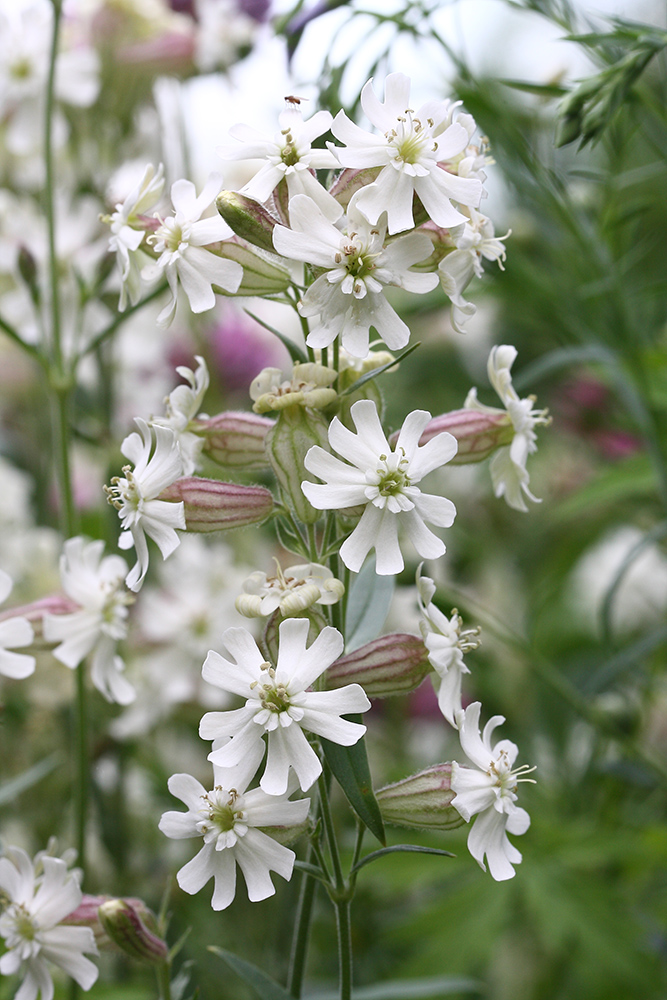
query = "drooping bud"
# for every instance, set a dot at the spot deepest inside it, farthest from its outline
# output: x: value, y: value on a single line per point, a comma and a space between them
x: 262, y: 274
x: 392, y: 664
x: 249, y: 220
x: 235, y: 439
x: 211, y: 505
x: 422, y: 801
x: 128, y: 927
x: 309, y: 384
x: 296, y: 431
x: 479, y: 433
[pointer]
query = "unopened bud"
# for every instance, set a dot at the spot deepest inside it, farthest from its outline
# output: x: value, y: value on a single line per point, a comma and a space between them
x: 127, y: 927
x: 296, y: 431
x: 262, y: 275
x: 392, y: 664
x: 349, y: 181
x: 423, y: 800
x: 286, y: 835
x: 308, y: 385
x: 28, y: 271
x: 211, y: 505
x: 235, y: 439
x: 249, y: 220
x: 479, y: 433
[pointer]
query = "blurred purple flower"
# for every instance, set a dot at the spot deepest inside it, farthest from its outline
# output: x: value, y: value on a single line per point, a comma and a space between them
x: 240, y: 348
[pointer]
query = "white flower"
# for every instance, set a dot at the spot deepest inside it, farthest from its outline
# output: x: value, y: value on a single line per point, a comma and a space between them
x: 96, y: 585
x: 31, y: 925
x: 489, y: 792
x: 289, y: 156
x: 135, y: 496
x: 508, y: 465
x: 412, y: 151
x: 280, y: 704
x: 349, y: 296
x: 446, y: 642
x: 228, y: 818
x: 125, y: 239
x: 181, y: 241
x: 476, y: 240
x: 14, y: 632
x: 183, y: 405
x: 291, y: 590
x: 384, y: 480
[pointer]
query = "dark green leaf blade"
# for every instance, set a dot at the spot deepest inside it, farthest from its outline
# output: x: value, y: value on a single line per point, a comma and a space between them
x: 349, y: 766
x: 263, y: 985
x: 429, y: 988
x: 401, y: 849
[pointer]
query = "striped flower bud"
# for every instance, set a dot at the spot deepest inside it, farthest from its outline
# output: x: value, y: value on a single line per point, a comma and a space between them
x: 262, y: 275
x: 249, y: 220
x: 296, y: 431
x: 235, y: 439
x: 479, y: 433
x: 392, y: 664
x: 211, y: 505
x: 126, y: 925
x: 424, y: 800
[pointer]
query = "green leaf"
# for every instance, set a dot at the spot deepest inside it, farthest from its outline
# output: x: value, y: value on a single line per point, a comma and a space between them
x: 313, y: 870
x: 429, y: 988
x: 263, y: 985
x: 367, y: 606
x: 401, y: 849
x: 378, y: 371
x: 12, y: 789
x: 295, y: 352
x: 541, y: 89
x: 349, y: 766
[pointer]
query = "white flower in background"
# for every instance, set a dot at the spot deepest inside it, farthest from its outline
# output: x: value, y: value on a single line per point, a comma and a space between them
x: 221, y: 30
x: 475, y: 241
x: 446, y: 641
x: 280, y: 704
x: 384, y: 480
x: 349, y: 296
x: 128, y: 231
x: 14, y: 633
x: 96, y: 585
x: 508, y: 465
x: 289, y: 156
x: 412, y: 152
x: 291, y: 590
x: 181, y: 241
x: 489, y: 792
x: 135, y: 496
x: 183, y: 405
x: 229, y: 819
x: 34, y: 906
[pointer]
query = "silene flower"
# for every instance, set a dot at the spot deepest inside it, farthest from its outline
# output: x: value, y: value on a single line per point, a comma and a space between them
x: 134, y: 494
x: 96, y: 585
x: 15, y: 632
x: 183, y: 405
x: 230, y: 819
x: 181, y: 240
x: 358, y: 265
x: 508, y: 465
x: 488, y: 791
x: 128, y: 230
x: 279, y: 702
x: 414, y: 151
x: 35, y: 906
x: 446, y: 641
x: 384, y: 480
x: 290, y: 591
x: 474, y: 242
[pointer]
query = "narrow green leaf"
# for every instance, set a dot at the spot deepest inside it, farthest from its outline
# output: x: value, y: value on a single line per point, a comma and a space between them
x: 429, y: 988
x: 367, y: 606
x: 401, y: 849
x: 625, y: 659
x: 541, y: 89
x: 12, y: 789
x: 263, y: 985
x: 312, y: 870
x: 378, y: 371
x: 295, y: 352
x: 349, y: 766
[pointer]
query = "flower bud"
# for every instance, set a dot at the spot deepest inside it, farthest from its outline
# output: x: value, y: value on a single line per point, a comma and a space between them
x: 287, y: 443
x: 235, y: 439
x: 392, y: 664
x: 270, y: 640
x: 349, y: 181
x: 286, y: 835
x: 249, y: 220
x: 479, y: 433
x: 422, y: 800
x: 309, y: 385
x: 262, y: 275
x: 126, y: 925
x: 211, y: 505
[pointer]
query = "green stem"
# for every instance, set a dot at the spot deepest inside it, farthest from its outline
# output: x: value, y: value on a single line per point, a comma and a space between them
x: 330, y: 833
x: 49, y: 191
x: 313, y: 553
x: 344, y: 928
x: 163, y: 975
x: 118, y: 321
x: 340, y: 895
x: 299, y: 954
x: 81, y: 757
x: 28, y: 348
